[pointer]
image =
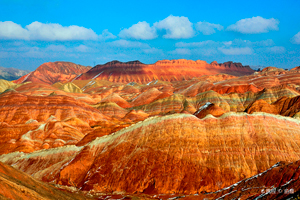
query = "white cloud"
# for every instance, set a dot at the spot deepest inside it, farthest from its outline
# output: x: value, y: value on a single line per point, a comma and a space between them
x: 152, y: 51
x: 128, y: 44
x: 48, y: 32
x: 236, y: 51
x: 247, y: 43
x: 106, y: 35
x: 296, y: 38
x: 63, y: 48
x: 11, y: 30
x: 139, y: 31
x: 254, y: 25
x: 276, y: 49
x: 82, y: 48
x: 56, y: 48
x: 40, y: 31
x: 181, y: 51
x: 196, y: 44
x: 227, y: 43
x: 208, y: 28
x: 175, y: 27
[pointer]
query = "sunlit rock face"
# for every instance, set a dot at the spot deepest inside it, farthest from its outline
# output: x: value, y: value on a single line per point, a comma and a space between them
x: 164, y: 70
x: 173, y: 154
x: 52, y: 72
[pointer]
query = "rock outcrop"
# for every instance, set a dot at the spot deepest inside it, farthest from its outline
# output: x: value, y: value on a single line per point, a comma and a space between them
x: 209, y: 108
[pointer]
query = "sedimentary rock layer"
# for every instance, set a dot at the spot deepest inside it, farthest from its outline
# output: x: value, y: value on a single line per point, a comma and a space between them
x: 284, y: 106
x: 281, y: 181
x: 164, y: 70
x: 16, y: 108
x: 52, y: 72
x: 15, y: 184
x: 173, y: 154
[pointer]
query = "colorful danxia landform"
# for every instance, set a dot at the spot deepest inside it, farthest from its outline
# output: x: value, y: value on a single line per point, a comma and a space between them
x: 172, y: 129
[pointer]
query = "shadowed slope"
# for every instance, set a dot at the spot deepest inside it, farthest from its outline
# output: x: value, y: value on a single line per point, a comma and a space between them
x: 15, y: 184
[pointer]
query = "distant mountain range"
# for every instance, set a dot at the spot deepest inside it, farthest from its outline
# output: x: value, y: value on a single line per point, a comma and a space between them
x: 12, y: 73
x: 134, y: 71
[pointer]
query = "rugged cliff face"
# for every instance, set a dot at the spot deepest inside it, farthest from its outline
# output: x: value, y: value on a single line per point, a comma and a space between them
x: 164, y: 70
x: 52, y: 72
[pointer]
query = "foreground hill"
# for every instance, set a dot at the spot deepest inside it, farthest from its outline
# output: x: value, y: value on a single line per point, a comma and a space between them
x: 172, y: 154
x: 164, y: 70
x: 10, y: 74
x: 53, y: 72
x: 281, y: 181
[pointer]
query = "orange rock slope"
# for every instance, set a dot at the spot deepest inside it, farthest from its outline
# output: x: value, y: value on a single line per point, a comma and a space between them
x: 53, y: 72
x: 284, y: 106
x: 281, y: 181
x: 15, y: 184
x: 29, y: 123
x: 164, y: 70
x: 173, y: 154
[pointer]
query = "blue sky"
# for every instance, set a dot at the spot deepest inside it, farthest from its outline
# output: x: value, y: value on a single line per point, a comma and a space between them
x: 255, y: 33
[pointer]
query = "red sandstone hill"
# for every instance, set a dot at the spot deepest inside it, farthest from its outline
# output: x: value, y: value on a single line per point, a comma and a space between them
x: 53, y: 72
x: 164, y: 70
x: 172, y: 154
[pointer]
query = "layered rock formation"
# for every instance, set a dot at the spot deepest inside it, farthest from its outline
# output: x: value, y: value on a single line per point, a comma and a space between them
x: 15, y: 184
x: 29, y: 123
x: 172, y: 154
x: 284, y: 106
x: 164, y: 70
x: 16, y: 108
x: 114, y: 126
x: 52, y: 72
x: 281, y: 181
